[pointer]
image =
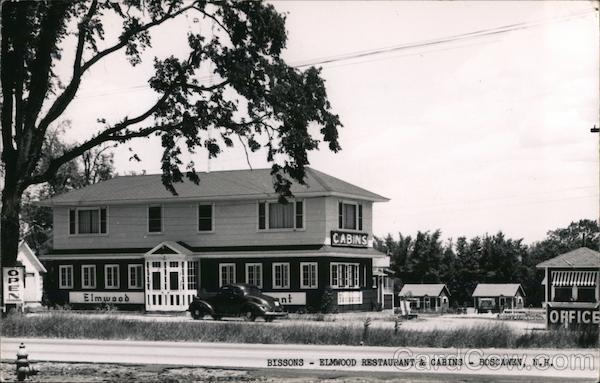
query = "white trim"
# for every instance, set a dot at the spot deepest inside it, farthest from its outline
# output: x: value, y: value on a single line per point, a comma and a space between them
x: 106, y: 267
x: 260, y: 267
x: 302, y: 285
x: 60, y: 282
x: 162, y: 219
x: 221, y: 265
x: 212, y: 218
x: 245, y: 197
x: 141, y: 270
x: 92, y: 286
x: 70, y: 257
x: 287, y: 267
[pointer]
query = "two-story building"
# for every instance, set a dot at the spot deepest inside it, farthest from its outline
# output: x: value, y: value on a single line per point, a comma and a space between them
x: 130, y: 242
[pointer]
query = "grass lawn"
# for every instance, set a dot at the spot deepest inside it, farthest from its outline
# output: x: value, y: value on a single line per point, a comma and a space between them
x: 497, y: 335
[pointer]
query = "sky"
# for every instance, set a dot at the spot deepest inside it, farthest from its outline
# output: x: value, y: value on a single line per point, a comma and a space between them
x: 469, y: 136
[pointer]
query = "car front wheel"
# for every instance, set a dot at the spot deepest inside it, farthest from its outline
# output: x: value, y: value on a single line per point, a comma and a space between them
x: 197, y: 313
x: 249, y: 315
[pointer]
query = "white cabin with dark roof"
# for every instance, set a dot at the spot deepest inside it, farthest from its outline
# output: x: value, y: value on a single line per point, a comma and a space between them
x: 130, y: 242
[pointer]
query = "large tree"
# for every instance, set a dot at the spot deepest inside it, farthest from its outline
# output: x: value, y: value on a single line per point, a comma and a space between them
x: 256, y: 97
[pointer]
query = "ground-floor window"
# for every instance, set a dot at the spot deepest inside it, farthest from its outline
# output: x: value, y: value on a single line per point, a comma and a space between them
x: 308, y: 275
x: 226, y: 274
x: 344, y: 275
x: 563, y: 294
x: 586, y: 294
x: 135, y: 276
x: 65, y: 277
x: 111, y: 276
x: 281, y: 275
x: 88, y: 276
x: 192, y: 280
x: 254, y: 274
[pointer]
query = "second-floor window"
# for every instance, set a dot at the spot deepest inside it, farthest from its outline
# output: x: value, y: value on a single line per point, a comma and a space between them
x: 274, y: 215
x: 88, y: 221
x: 205, y: 217
x: 350, y: 216
x: 154, y: 219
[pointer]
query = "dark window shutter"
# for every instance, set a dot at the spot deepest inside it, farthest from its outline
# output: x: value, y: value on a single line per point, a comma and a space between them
x: 72, y: 221
x: 261, y: 216
x: 340, y: 215
x: 299, y: 214
x: 103, y: 220
x: 360, y: 227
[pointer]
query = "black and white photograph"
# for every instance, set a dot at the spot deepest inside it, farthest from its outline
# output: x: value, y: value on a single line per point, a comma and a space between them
x: 300, y: 191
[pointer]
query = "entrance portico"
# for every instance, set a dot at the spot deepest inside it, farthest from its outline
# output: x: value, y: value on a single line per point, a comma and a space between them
x: 171, y: 277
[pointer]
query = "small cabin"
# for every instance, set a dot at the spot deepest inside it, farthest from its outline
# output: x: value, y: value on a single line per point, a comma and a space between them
x: 495, y: 297
x: 426, y: 297
x: 34, y: 280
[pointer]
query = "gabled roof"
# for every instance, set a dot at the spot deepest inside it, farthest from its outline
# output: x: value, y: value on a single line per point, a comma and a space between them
x: 497, y: 289
x: 582, y: 257
x: 419, y: 290
x: 169, y: 247
x: 25, y: 251
x: 217, y: 185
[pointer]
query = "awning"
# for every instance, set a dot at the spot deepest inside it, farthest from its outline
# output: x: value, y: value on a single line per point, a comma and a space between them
x: 574, y: 278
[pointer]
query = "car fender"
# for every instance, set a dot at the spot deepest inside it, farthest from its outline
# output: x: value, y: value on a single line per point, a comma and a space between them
x: 255, y: 307
x: 199, y: 303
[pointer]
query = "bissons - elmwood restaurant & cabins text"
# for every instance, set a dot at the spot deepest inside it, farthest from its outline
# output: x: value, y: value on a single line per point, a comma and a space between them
x: 130, y: 242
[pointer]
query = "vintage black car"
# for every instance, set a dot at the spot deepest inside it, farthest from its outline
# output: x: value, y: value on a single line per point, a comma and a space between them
x: 236, y: 300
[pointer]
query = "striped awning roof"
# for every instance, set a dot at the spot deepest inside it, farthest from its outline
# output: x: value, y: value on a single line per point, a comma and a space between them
x: 574, y: 278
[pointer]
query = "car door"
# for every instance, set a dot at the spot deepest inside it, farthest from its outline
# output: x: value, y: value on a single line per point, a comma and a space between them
x: 223, y: 299
x: 237, y: 300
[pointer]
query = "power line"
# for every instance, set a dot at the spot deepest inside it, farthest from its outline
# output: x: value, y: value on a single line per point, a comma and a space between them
x: 394, y: 48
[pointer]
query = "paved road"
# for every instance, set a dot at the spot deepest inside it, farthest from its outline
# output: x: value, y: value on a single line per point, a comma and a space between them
x: 497, y: 363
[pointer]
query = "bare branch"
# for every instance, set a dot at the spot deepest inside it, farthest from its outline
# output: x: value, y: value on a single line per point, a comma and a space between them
x: 245, y: 151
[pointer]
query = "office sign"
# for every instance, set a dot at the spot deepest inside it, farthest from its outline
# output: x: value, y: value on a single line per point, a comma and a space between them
x: 348, y: 239
x: 13, y: 285
x: 97, y: 297
x: 287, y: 299
x: 573, y: 316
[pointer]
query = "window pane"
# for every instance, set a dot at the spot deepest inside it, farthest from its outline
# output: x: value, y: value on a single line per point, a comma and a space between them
x: 154, y: 219
x: 281, y: 216
x: 349, y: 216
x: 205, y: 218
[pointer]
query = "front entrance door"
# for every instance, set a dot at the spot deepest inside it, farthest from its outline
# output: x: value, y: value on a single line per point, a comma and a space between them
x: 170, y: 284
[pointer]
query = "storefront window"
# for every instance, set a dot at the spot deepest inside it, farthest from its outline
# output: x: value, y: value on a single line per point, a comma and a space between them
x: 226, y: 274
x: 111, y: 276
x: 308, y: 275
x: 345, y: 275
x: 586, y: 294
x: 563, y: 294
x: 65, y: 276
x: 254, y: 274
x: 135, y: 276
x: 88, y: 276
x: 281, y: 275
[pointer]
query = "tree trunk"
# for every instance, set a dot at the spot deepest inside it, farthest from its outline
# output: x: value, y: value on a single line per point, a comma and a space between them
x: 9, y: 224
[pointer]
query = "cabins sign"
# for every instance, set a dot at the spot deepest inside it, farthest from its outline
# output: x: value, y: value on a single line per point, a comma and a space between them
x: 349, y: 239
x: 13, y: 285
